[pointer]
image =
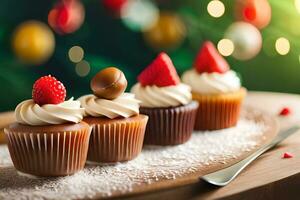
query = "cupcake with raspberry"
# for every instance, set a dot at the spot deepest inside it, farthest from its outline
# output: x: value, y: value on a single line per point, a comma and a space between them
x: 117, y: 127
x: 167, y: 102
x: 49, y: 137
x: 217, y: 89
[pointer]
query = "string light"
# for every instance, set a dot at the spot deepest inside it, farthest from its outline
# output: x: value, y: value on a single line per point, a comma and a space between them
x: 282, y: 46
x: 225, y: 47
x: 76, y: 54
x: 297, y: 5
x: 215, y: 8
x: 82, y: 68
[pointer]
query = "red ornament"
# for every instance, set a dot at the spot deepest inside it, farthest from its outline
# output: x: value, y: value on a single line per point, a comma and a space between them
x: 285, y: 111
x: 161, y: 72
x: 287, y: 155
x: 114, y: 6
x: 66, y: 16
x: 256, y: 12
x: 48, y: 90
x: 209, y: 60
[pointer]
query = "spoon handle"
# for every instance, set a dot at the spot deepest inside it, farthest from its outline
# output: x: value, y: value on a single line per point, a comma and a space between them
x: 225, y: 176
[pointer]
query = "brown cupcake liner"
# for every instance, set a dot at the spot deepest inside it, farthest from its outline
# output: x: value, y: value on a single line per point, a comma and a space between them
x: 55, y: 153
x: 170, y: 126
x: 115, y: 140
x: 218, y: 111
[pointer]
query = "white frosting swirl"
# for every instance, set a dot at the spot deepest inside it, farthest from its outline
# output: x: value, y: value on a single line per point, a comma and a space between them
x: 30, y: 113
x: 212, y: 83
x: 126, y: 105
x: 153, y: 96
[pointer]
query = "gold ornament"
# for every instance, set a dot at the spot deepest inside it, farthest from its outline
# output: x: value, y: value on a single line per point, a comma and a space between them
x: 168, y: 32
x: 33, y: 42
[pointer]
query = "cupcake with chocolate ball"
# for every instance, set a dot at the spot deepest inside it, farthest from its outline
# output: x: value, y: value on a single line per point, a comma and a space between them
x: 167, y: 102
x: 49, y: 137
x: 217, y: 89
x: 117, y: 127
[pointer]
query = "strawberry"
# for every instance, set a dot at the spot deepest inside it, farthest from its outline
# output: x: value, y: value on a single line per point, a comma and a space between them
x: 48, y: 90
x: 209, y: 60
x: 285, y: 111
x: 161, y: 72
x: 287, y: 155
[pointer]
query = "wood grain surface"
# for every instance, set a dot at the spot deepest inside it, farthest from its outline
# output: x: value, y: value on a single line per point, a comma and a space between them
x: 269, y: 177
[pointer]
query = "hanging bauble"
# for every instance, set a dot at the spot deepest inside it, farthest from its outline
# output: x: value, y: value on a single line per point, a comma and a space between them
x: 66, y: 16
x: 33, y: 42
x: 114, y: 6
x: 246, y: 38
x: 139, y: 15
x: 256, y: 12
x: 168, y: 32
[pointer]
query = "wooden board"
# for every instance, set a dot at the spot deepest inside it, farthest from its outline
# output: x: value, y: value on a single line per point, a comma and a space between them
x: 189, y: 178
x: 249, y: 112
x: 5, y: 119
x: 268, y: 177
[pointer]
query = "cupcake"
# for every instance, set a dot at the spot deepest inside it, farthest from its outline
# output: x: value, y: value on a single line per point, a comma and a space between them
x: 167, y: 102
x: 117, y: 127
x: 217, y: 89
x: 48, y: 137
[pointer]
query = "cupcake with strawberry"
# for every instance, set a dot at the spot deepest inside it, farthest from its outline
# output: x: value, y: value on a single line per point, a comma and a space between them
x: 217, y: 89
x: 167, y: 102
x: 49, y: 137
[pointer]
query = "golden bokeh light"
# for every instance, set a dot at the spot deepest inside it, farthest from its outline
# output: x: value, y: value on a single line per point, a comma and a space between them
x: 82, y: 68
x: 297, y: 5
x: 215, y: 8
x: 225, y: 47
x: 76, y: 54
x: 282, y: 46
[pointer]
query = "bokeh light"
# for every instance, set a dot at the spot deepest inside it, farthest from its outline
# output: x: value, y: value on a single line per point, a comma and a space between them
x: 76, y: 54
x: 225, y: 47
x: 297, y: 5
x: 139, y: 14
x: 282, y: 46
x: 215, y: 8
x: 82, y: 68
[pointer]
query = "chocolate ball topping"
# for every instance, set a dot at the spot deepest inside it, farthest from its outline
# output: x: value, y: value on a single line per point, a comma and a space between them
x: 109, y: 83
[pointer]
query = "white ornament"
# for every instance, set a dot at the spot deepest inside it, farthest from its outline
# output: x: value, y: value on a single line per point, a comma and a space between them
x: 139, y: 15
x: 246, y: 38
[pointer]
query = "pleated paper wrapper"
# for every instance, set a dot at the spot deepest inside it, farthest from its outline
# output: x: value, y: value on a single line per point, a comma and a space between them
x: 116, y: 140
x: 48, y: 154
x: 218, y: 111
x: 170, y: 126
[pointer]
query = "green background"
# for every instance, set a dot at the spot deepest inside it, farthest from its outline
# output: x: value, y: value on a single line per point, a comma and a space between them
x: 106, y: 41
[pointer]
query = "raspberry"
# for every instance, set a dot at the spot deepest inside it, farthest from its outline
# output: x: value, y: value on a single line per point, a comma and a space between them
x: 48, y: 90
x: 209, y: 60
x: 161, y: 72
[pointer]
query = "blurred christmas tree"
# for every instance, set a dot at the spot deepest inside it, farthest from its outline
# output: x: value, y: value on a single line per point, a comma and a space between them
x: 72, y: 40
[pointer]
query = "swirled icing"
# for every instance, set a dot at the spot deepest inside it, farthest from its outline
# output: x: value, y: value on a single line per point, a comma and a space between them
x: 30, y: 113
x: 153, y: 96
x: 212, y: 83
x: 126, y: 105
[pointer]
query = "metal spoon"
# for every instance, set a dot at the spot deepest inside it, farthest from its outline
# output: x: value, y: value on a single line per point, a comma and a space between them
x: 225, y: 176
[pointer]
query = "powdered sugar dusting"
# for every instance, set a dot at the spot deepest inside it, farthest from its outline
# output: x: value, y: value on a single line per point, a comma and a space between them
x: 153, y: 164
